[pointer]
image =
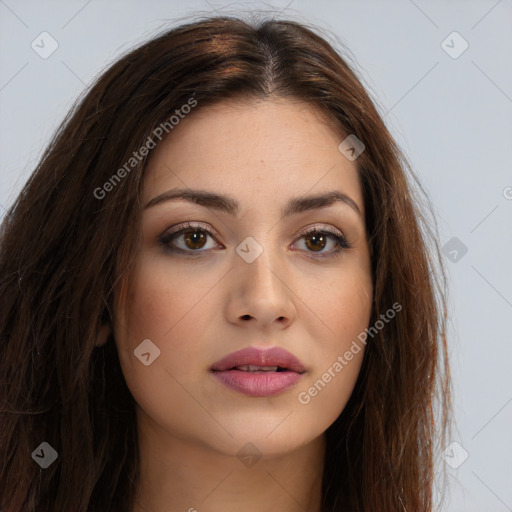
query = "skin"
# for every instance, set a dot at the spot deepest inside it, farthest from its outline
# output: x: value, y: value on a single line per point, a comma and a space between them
x: 199, y: 309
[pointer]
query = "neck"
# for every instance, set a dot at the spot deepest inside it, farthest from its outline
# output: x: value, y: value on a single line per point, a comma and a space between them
x: 178, y: 475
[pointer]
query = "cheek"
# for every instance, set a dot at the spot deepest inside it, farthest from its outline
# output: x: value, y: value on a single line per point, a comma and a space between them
x: 333, y: 375
x: 328, y: 391
x: 162, y: 300
x: 344, y: 308
x: 171, y: 310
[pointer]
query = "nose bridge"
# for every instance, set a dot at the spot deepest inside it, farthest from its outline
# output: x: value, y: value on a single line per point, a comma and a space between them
x: 260, y: 278
x: 259, y: 261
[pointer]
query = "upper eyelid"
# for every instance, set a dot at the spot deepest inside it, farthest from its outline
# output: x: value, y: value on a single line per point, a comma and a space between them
x: 190, y: 225
x: 198, y: 225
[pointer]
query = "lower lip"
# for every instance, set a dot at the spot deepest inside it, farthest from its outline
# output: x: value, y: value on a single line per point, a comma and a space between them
x: 258, y: 383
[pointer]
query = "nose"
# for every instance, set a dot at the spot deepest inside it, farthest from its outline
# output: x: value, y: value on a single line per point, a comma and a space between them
x: 261, y: 292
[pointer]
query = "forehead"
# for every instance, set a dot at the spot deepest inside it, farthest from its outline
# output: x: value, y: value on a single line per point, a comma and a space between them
x: 253, y: 149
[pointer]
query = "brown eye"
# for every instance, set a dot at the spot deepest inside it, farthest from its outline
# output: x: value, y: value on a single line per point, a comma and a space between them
x: 316, y: 241
x: 194, y: 239
x: 191, y: 239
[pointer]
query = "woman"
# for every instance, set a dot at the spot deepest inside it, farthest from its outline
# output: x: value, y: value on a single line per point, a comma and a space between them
x: 218, y: 292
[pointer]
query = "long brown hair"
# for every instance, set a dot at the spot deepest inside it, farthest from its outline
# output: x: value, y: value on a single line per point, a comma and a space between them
x: 64, y: 252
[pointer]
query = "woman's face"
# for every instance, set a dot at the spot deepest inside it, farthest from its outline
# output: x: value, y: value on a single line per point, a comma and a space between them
x: 259, y: 280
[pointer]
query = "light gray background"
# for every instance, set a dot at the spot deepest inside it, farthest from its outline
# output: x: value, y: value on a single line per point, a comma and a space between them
x: 452, y: 117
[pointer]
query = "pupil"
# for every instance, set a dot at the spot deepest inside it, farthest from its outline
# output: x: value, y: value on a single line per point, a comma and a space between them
x: 195, y: 239
x: 317, y: 238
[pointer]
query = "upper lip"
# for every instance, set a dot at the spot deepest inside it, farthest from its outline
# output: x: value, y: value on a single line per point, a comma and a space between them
x: 274, y: 356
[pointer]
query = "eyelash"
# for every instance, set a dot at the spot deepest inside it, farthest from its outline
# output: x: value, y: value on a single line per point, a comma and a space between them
x: 166, y: 238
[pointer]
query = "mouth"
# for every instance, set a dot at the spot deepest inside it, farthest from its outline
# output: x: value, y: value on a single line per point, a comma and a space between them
x: 257, y: 359
x: 259, y: 372
x: 259, y: 369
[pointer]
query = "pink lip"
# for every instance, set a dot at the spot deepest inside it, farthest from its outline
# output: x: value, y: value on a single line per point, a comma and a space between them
x: 259, y: 384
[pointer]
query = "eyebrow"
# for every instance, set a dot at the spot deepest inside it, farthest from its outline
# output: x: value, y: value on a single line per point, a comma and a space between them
x: 231, y: 206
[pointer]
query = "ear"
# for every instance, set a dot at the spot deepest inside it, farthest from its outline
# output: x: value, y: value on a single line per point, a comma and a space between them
x: 103, y: 335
